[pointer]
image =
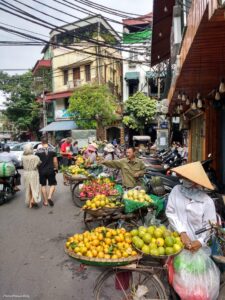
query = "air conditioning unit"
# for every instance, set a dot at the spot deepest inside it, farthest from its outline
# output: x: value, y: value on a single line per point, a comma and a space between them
x: 70, y: 84
x: 132, y: 64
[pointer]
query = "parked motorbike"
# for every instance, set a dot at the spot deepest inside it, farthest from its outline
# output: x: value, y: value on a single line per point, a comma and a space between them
x: 7, y: 188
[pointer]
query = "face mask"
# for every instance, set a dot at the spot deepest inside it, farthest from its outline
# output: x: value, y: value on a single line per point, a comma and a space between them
x: 188, y: 184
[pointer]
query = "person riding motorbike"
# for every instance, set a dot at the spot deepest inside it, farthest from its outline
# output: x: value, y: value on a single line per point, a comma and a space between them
x: 7, y: 157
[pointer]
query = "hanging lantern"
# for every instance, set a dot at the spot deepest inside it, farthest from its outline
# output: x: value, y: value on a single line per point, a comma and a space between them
x: 198, y: 95
x: 188, y: 101
x: 199, y: 103
x: 181, y: 107
x: 179, y: 96
x: 184, y: 97
x: 217, y: 96
x: 222, y: 86
x: 193, y: 105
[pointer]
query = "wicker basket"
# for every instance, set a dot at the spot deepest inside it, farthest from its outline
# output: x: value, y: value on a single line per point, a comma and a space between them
x: 104, y: 211
x: 102, y: 262
x: 79, y: 177
x: 157, y: 257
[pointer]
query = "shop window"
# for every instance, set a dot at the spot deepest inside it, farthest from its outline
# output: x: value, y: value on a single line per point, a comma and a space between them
x: 65, y: 76
x: 153, y: 86
x: 88, y: 72
x: 132, y: 88
x: 66, y: 103
x: 76, y: 74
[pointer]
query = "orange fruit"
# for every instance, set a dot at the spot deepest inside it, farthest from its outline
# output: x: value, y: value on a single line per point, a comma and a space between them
x: 100, y: 255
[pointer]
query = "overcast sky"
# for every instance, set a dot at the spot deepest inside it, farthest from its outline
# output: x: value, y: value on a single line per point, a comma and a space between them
x: 25, y: 57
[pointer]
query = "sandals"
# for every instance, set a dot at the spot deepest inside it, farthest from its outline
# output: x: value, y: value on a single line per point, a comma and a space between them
x: 50, y: 202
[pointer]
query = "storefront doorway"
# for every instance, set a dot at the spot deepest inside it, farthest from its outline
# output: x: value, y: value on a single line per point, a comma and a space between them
x: 197, y: 138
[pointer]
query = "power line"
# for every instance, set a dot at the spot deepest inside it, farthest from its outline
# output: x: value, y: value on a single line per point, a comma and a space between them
x: 19, y: 43
x: 104, y: 8
x: 113, y: 9
x: 58, y: 29
x: 56, y: 44
x: 86, y: 11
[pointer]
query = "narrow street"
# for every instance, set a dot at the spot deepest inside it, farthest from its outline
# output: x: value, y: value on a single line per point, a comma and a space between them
x: 33, y: 264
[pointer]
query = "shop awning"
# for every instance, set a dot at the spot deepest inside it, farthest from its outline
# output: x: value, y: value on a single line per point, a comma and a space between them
x: 60, y: 126
x: 41, y: 64
x: 54, y: 96
x: 137, y: 37
x: 161, y: 31
x: 132, y: 76
x: 152, y: 74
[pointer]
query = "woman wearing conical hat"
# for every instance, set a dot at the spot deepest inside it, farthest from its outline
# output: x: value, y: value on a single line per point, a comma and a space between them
x: 189, y: 208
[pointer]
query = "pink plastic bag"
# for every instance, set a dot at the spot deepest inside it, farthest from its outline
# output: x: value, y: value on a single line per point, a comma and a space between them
x: 196, y: 277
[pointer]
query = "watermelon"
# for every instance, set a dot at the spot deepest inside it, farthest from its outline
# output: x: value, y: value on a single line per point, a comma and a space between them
x: 7, y: 169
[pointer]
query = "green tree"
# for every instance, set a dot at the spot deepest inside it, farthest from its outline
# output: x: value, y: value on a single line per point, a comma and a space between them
x: 92, y: 105
x: 140, y: 111
x: 21, y: 107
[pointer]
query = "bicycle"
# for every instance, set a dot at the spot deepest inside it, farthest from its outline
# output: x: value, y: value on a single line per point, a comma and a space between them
x: 150, y: 276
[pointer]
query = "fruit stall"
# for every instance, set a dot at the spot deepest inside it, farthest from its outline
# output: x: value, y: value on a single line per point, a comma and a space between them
x: 115, y: 247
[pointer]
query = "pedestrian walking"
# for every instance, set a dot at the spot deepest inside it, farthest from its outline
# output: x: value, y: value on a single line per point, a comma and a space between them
x: 67, y: 155
x: 30, y: 164
x: 47, y: 171
x: 75, y: 148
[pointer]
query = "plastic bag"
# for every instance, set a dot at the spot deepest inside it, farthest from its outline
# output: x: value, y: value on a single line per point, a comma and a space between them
x: 196, y: 277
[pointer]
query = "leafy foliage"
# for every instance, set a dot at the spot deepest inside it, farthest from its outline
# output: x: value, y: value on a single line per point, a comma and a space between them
x: 21, y: 108
x: 140, y: 111
x: 92, y: 105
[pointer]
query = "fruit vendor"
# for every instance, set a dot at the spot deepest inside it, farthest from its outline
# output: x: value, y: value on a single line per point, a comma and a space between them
x: 132, y: 168
x: 189, y: 208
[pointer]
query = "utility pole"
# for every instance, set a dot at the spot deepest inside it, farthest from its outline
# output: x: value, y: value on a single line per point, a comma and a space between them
x: 44, y: 109
x: 98, y: 51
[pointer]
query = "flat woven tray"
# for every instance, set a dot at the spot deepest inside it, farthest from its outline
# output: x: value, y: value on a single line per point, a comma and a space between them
x: 104, y: 211
x: 103, y: 262
x: 79, y: 177
x: 157, y: 257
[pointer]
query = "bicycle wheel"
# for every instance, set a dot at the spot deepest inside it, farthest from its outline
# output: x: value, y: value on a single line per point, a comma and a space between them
x: 122, y: 224
x: 123, y: 285
x: 76, y: 196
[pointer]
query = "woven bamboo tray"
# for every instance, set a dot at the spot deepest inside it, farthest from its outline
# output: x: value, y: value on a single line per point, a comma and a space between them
x: 157, y: 257
x: 79, y: 177
x: 101, y: 262
x: 104, y: 211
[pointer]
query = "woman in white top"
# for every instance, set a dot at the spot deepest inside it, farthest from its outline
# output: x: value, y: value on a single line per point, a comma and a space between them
x: 189, y: 208
x: 30, y: 164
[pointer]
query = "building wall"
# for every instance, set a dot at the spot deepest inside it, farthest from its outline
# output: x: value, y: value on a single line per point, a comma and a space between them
x: 132, y: 67
x: 102, y: 70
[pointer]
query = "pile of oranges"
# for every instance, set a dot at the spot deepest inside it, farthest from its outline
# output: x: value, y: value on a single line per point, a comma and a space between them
x: 103, y: 243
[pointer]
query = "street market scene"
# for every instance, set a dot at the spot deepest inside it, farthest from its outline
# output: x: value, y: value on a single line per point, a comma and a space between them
x: 112, y: 152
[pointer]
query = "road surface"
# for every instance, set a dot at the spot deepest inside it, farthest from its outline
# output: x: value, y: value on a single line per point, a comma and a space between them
x: 33, y: 264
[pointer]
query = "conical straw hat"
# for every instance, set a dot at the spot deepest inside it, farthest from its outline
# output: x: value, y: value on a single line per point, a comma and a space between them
x: 195, y: 173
